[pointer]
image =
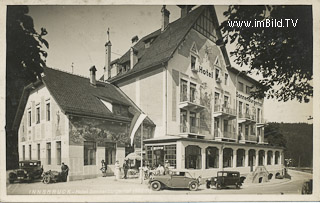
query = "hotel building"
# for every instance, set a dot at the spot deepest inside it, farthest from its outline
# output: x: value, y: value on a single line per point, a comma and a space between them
x: 180, y: 76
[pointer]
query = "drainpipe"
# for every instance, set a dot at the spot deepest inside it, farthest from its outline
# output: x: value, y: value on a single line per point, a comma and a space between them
x: 236, y: 103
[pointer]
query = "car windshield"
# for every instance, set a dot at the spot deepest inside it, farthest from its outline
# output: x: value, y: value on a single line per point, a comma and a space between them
x: 28, y: 164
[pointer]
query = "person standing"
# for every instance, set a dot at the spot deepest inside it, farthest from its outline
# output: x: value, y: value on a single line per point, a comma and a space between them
x: 64, y: 172
x: 166, y: 167
x: 104, y: 168
x: 125, y: 169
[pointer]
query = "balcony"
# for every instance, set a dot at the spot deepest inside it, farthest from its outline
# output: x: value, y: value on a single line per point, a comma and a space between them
x: 224, y: 111
x: 246, y: 118
x: 248, y: 139
x: 190, y: 103
x: 225, y: 135
x: 260, y: 122
x: 191, y: 131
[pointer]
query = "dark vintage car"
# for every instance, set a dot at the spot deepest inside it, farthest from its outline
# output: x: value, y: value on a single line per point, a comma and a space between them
x: 225, y: 179
x: 175, y: 179
x: 28, y: 170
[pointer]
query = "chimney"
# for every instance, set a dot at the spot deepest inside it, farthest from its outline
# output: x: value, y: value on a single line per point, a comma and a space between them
x: 165, y: 18
x: 134, y: 40
x: 185, y: 9
x: 133, y: 57
x: 93, y: 75
x: 107, y: 68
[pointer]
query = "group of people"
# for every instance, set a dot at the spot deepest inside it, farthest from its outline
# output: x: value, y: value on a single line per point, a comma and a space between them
x: 160, y: 170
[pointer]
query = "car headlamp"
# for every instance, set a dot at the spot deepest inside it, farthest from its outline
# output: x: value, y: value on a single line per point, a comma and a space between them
x: 25, y: 172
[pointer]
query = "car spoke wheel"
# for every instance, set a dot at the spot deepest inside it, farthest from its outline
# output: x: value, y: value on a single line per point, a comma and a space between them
x: 218, y: 186
x: 156, y: 186
x: 208, y: 185
x: 193, y: 186
x: 46, y: 179
x: 237, y: 185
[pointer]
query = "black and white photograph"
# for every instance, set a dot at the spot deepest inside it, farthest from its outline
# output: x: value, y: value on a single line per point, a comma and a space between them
x: 159, y: 101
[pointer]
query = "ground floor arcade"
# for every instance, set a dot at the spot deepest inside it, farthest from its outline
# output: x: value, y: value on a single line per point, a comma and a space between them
x: 205, y: 157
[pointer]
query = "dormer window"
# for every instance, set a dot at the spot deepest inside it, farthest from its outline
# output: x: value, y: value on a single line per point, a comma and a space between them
x: 193, y: 62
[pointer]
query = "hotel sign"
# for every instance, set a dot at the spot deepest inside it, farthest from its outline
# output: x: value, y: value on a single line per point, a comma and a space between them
x: 210, y: 74
x: 248, y: 98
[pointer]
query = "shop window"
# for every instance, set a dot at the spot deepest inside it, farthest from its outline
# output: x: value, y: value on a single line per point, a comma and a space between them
x: 252, y: 157
x: 170, y: 155
x: 38, y: 150
x: 49, y: 153
x: 227, y: 157
x: 212, y: 157
x: 269, y: 157
x: 48, y: 111
x: 30, y: 152
x: 193, y: 157
x: 110, y: 153
x: 261, y: 158
x: 158, y: 156
x: 58, y: 146
x: 89, y: 153
x: 240, y: 86
x: 277, y: 156
x: 23, y: 152
x: 240, y: 157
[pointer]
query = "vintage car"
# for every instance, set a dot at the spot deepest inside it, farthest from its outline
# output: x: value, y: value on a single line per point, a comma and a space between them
x: 28, y: 170
x: 53, y: 177
x: 225, y: 179
x: 175, y: 179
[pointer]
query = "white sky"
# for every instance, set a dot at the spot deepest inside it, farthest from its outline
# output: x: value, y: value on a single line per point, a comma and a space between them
x: 77, y: 34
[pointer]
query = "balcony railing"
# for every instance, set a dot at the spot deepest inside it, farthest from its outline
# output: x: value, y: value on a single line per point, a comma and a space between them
x: 190, y: 102
x: 189, y: 98
x: 224, y: 109
x: 225, y: 134
x: 252, y: 138
x: 248, y: 116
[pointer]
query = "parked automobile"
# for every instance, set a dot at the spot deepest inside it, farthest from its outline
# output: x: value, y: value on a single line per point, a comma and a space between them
x: 52, y: 177
x: 225, y: 179
x: 175, y: 179
x: 28, y: 170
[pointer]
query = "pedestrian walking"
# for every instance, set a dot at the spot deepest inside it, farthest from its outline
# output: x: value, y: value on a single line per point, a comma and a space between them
x: 64, y: 172
x: 125, y: 169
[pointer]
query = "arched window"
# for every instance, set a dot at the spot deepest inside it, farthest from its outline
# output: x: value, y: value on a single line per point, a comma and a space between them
x: 261, y: 157
x: 252, y: 157
x: 212, y: 157
x: 240, y: 157
x: 193, y: 157
x: 227, y: 157
x: 269, y: 157
x: 277, y: 155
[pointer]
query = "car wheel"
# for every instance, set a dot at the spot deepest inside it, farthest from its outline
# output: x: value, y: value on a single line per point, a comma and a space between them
x: 208, y: 184
x: 218, y: 186
x: 193, y: 186
x: 156, y: 186
x: 46, y: 179
x: 237, y: 185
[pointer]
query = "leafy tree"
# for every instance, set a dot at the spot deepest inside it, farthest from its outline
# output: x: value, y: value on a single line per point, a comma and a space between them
x: 282, y: 55
x: 274, y: 136
x: 24, y: 63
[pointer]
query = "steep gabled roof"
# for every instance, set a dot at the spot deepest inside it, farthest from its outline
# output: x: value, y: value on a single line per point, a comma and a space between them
x: 163, y: 46
x: 75, y: 95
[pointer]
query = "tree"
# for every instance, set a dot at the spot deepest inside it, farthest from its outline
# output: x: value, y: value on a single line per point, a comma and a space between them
x: 281, y: 55
x: 274, y: 136
x: 24, y: 63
